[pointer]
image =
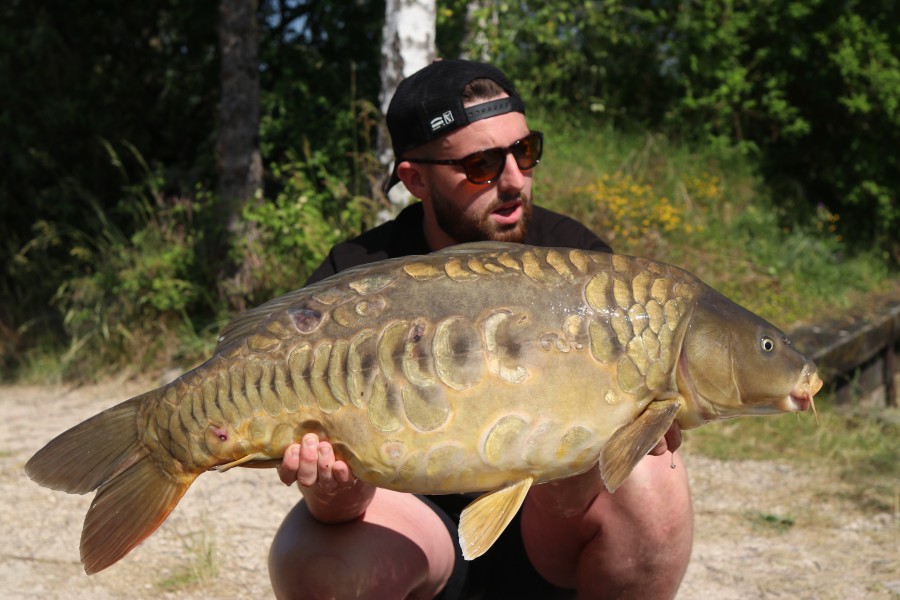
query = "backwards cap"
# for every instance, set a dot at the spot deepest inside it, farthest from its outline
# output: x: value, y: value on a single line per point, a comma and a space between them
x: 429, y: 104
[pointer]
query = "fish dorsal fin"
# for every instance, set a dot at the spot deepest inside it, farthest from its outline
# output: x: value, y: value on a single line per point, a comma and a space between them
x: 631, y: 443
x: 482, y: 521
x: 246, y: 323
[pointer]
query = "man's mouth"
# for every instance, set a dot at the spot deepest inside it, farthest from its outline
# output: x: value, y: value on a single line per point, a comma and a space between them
x: 508, y: 213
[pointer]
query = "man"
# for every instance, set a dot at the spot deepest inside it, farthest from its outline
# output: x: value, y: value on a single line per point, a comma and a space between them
x: 463, y: 147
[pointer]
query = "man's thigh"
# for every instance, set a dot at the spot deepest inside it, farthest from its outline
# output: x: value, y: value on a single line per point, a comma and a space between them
x: 399, y: 548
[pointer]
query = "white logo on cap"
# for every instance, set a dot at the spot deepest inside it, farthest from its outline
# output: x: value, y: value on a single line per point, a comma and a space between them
x: 442, y: 121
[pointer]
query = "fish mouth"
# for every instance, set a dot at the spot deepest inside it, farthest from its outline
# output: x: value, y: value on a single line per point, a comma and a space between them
x: 801, y: 396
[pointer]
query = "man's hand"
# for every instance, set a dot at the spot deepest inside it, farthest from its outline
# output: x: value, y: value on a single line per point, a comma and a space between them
x: 332, y: 493
x: 670, y: 442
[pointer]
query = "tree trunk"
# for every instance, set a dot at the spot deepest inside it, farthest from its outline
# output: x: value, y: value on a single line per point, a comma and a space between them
x: 407, y: 46
x: 239, y: 163
x: 476, y: 45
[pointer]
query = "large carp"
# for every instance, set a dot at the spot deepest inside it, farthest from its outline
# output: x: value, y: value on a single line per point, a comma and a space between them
x: 484, y: 367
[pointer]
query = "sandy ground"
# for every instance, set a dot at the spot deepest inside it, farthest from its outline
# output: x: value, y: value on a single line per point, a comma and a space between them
x: 828, y: 549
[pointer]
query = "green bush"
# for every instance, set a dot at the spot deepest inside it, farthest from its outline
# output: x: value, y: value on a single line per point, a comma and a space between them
x: 312, y: 211
x: 129, y: 300
x: 810, y: 88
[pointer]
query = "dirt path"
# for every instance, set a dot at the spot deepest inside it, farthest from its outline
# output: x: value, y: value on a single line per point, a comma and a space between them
x: 763, y: 530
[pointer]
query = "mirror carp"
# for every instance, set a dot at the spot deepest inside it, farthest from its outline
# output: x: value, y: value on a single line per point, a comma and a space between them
x: 486, y: 367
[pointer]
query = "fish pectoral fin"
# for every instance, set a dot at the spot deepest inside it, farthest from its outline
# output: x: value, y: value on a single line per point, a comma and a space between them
x: 482, y: 521
x: 631, y: 443
x: 255, y: 459
x: 260, y: 463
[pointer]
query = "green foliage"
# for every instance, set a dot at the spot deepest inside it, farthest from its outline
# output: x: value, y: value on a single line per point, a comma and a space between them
x: 771, y: 522
x: 811, y: 88
x: 317, y: 60
x: 73, y: 76
x: 125, y: 299
x: 708, y: 211
x: 752, y: 143
x: 312, y: 211
x: 630, y: 211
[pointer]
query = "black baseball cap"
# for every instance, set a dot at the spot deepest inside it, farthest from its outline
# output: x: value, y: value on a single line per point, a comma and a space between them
x: 429, y: 104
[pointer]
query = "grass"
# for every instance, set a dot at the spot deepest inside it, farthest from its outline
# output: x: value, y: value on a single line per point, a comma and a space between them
x: 771, y: 522
x: 859, y: 444
x: 200, y: 568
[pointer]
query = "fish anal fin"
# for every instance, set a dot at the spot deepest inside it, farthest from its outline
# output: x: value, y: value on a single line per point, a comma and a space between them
x: 126, y: 510
x: 631, y: 443
x: 482, y: 521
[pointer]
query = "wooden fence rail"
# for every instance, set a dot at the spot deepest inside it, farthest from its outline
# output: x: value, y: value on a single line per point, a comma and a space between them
x: 857, y: 356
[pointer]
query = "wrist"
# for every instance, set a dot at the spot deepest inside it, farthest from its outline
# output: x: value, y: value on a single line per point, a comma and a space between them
x: 340, y: 505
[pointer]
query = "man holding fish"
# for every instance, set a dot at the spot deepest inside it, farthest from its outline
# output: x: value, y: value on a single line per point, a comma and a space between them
x: 463, y: 147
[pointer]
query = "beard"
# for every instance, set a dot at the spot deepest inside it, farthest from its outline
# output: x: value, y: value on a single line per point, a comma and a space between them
x: 466, y: 226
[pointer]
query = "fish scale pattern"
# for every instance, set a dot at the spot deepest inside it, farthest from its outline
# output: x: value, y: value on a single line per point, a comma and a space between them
x: 361, y: 343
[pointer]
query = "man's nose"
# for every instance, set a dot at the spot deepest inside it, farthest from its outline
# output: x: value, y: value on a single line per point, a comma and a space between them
x: 512, y: 177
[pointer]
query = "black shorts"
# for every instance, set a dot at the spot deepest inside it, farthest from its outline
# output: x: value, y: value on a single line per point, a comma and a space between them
x: 504, y: 571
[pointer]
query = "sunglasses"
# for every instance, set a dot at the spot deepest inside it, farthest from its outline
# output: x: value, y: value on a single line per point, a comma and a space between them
x: 485, y: 166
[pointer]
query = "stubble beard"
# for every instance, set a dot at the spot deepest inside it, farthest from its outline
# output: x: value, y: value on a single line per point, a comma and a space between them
x: 465, y: 227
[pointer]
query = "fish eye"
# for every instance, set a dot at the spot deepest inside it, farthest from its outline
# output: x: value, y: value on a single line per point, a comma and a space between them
x: 767, y: 344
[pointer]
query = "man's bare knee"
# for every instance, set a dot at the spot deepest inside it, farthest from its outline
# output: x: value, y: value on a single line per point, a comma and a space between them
x: 643, y: 549
x: 635, y: 543
x: 378, y: 556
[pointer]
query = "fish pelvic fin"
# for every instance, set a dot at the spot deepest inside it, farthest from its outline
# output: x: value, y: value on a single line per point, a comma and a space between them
x: 482, y: 521
x: 135, y: 494
x: 631, y: 443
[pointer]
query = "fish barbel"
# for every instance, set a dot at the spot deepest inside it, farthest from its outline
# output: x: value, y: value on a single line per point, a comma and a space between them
x: 485, y: 367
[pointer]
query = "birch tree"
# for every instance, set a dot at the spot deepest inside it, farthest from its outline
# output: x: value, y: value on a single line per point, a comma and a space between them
x: 408, y: 44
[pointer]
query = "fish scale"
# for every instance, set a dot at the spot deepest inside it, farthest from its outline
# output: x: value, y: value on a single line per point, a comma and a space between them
x: 484, y: 367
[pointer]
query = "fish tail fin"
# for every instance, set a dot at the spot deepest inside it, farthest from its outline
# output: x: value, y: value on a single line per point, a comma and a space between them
x: 126, y: 510
x: 134, y: 494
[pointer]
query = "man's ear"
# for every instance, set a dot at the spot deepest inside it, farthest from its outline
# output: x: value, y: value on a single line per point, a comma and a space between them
x: 413, y: 178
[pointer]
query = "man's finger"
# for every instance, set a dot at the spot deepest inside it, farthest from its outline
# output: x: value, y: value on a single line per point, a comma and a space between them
x: 307, y: 472
x: 325, y: 465
x: 673, y: 438
x: 287, y: 470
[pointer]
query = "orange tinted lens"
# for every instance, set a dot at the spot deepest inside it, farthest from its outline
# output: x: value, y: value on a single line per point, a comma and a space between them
x: 528, y: 151
x: 484, y: 166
